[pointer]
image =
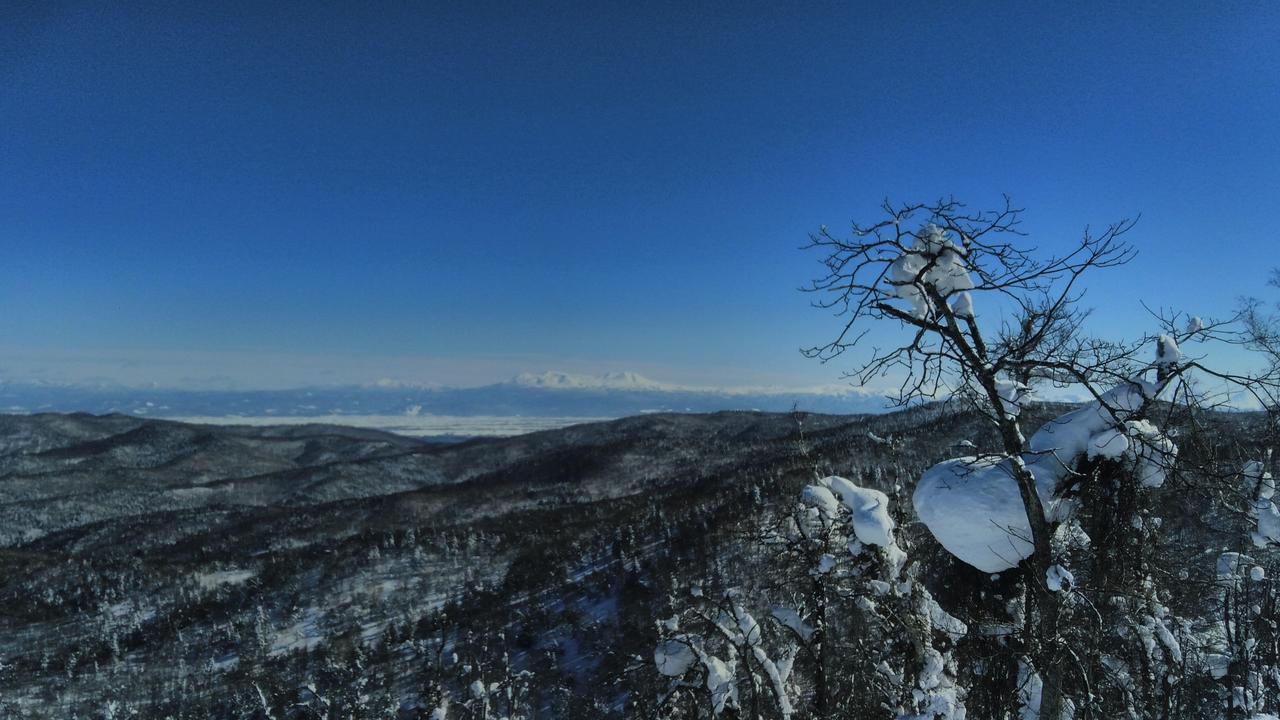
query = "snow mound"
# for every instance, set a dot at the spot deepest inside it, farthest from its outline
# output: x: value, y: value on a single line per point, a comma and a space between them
x: 1232, y: 566
x: 972, y: 505
x: 674, y: 657
x: 721, y: 683
x: 973, y: 508
x: 869, y: 508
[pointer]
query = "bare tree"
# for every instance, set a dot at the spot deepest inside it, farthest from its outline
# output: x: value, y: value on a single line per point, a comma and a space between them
x: 925, y: 267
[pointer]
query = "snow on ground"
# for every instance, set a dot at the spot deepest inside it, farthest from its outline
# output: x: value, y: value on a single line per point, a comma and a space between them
x: 129, y: 611
x: 210, y: 580
x: 306, y: 634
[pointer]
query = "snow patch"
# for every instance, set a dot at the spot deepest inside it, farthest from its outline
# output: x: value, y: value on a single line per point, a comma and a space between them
x: 721, y: 683
x: 1059, y: 578
x: 674, y: 657
x: 792, y: 620
x: 211, y: 580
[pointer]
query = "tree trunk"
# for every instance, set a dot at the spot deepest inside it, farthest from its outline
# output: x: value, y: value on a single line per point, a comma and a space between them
x: 1047, y: 662
x: 1042, y: 644
x: 821, y: 707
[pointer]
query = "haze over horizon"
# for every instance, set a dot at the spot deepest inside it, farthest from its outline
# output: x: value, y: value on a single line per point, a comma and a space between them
x: 542, y: 379
x: 248, y: 196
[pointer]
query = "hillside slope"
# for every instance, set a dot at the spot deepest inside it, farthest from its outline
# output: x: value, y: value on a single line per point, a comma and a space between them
x: 191, y: 571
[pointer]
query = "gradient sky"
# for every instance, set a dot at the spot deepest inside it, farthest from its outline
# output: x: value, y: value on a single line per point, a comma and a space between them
x: 276, y: 194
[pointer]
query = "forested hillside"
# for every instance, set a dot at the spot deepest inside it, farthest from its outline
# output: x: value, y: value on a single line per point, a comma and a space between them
x: 326, y: 572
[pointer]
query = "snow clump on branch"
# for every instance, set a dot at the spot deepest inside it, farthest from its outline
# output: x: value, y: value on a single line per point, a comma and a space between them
x: 870, y: 509
x: 1141, y: 443
x: 1167, y: 352
x: 973, y: 508
x: 1259, y: 483
x: 933, y: 262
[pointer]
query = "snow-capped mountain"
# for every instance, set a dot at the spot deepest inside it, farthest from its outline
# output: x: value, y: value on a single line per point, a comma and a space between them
x: 552, y: 380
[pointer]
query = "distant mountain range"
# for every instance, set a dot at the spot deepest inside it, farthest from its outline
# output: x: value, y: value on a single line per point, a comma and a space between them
x: 550, y: 394
x: 609, y: 381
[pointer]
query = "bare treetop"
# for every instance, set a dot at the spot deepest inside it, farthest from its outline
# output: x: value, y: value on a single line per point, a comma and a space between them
x: 929, y: 266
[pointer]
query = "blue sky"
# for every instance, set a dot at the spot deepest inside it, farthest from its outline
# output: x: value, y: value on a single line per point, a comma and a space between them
x: 277, y: 194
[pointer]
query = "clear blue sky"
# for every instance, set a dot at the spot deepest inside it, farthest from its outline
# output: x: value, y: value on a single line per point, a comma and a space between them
x: 290, y: 193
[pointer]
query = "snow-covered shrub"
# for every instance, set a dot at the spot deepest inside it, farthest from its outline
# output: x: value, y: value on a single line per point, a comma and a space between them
x: 856, y: 590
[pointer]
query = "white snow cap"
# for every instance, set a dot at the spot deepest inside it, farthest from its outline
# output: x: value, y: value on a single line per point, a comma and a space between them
x: 1194, y: 325
x: 1059, y: 578
x: 1268, y: 530
x: 946, y: 271
x: 1167, y: 352
x: 1231, y: 567
x: 721, y: 683
x: 962, y: 306
x: 674, y: 657
x: 1012, y: 395
x: 791, y: 619
x: 1141, y: 443
x: 1259, y: 484
x: 826, y: 564
x: 1054, y: 448
x: 1030, y: 689
x: 1218, y: 664
x: 870, y: 508
x: 821, y: 498
x: 1258, y: 480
